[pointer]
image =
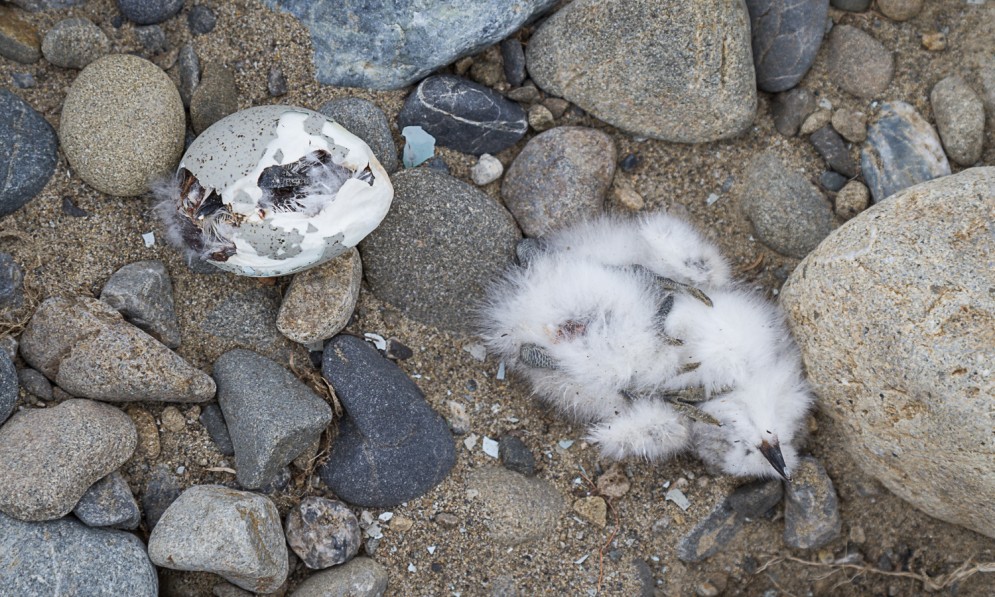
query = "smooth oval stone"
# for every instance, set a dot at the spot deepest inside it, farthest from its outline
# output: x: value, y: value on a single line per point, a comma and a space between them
x: 391, y: 446
x: 858, y: 63
x: 666, y: 69
x: 49, y: 457
x: 82, y: 560
x: 786, y: 37
x: 902, y: 150
x: 320, y: 301
x: 359, y: 577
x: 960, y: 119
x: 27, y: 152
x: 148, y: 12
x: 389, y: 45
x: 463, y: 115
x: 74, y: 43
x: 903, y: 371
x: 117, y: 103
x: 517, y: 509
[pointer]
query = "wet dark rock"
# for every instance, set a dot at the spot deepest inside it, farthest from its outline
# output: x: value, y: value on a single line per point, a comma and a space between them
x: 757, y: 498
x: 109, y: 503
x: 8, y: 386
x: 902, y: 150
x: 83, y: 560
x: 148, y: 12
x: 790, y: 109
x: 201, y: 19
x: 11, y: 283
x: 786, y: 37
x: 152, y: 38
x: 516, y: 456
x: 463, y: 115
x: 272, y: 416
x: 440, y: 245
x: 323, y: 532
x: 833, y: 149
x: 143, y: 292
x: 811, y: 508
x: 213, y: 420
x: 161, y: 490
x: 710, y: 535
x: 514, y: 61
x: 630, y: 162
x: 367, y: 121
x: 391, y: 446
x: 27, y: 152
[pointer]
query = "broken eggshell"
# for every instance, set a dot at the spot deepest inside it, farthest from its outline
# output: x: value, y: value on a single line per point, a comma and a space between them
x: 272, y: 191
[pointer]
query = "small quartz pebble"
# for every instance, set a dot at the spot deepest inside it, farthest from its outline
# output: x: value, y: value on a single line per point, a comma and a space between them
x: 323, y: 532
x: 540, y: 118
x: 934, y: 41
x: 677, y: 496
x: 459, y: 420
x: 490, y: 447
x: 487, y: 169
x: 624, y: 194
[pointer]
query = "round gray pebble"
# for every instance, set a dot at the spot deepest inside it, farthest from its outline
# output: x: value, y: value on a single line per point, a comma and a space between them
x: 860, y: 64
x: 323, y: 532
x: 74, y: 43
x: 148, y: 12
x: 201, y: 20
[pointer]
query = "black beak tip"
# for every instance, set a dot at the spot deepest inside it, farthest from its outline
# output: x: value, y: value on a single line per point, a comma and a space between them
x: 772, y: 452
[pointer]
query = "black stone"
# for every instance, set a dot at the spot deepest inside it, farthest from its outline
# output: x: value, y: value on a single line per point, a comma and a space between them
x: 391, y: 446
x: 757, y: 498
x: 213, y: 420
x: 711, y: 534
x: 463, y: 115
x: 161, y: 490
x: 516, y: 456
x: 398, y: 351
x: 630, y: 162
x: 152, y: 38
x: 11, y: 283
x: 69, y: 207
x: 28, y: 147
x: 786, y: 37
x: 833, y: 149
x: 832, y: 181
x: 148, y: 12
x: 201, y: 20
x: 8, y: 386
x: 364, y: 119
x: 514, y: 61
x: 438, y: 164
x: 790, y: 109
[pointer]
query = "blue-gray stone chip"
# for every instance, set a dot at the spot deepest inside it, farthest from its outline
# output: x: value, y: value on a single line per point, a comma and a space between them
x: 902, y: 150
x: 213, y: 420
x: 27, y: 152
x: 201, y: 20
x: 786, y: 38
x: 711, y: 534
x: 8, y: 386
x: 109, y: 503
x: 389, y: 45
x: 11, y: 282
x: 464, y: 115
x: 516, y: 456
x: 368, y: 122
x: 161, y: 491
x: 514, y: 61
x: 391, y: 446
x: 65, y: 557
x: 272, y: 416
x: 143, y: 293
x: 811, y: 508
x: 833, y: 149
x: 148, y: 12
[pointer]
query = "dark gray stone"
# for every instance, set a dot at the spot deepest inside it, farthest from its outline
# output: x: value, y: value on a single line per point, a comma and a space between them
x: 148, y: 12
x: 214, y: 98
x: 560, y: 178
x: 214, y: 421
x: 189, y: 68
x: 902, y: 150
x: 248, y: 318
x: 790, y: 109
x: 23, y: 80
x: 788, y: 213
x: 65, y: 557
x: 27, y: 152
x: 49, y: 457
x: 74, y: 43
x: 143, y: 293
x: 36, y: 5
x: 34, y: 383
x: 464, y: 115
x: 811, y: 508
x: 323, y: 532
x: 439, y: 247
x: 858, y: 63
x: 152, y: 38
x: 276, y: 82
x: 389, y: 45
x: 70, y: 208
x: 757, y: 498
x: 368, y: 122
x: 272, y: 416
x: 516, y: 456
x: 360, y: 577
x: 8, y: 386
x: 11, y: 283
x: 514, y: 61
x: 201, y: 20
x: 109, y: 503
x: 711, y: 534
x: 236, y: 534
x: 833, y: 149
x: 630, y: 162
x: 391, y: 446
x: 161, y: 490
x: 786, y: 38
x: 851, y: 5
x: 832, y: 181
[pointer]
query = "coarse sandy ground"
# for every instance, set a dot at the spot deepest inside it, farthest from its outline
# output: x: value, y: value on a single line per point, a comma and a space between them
x: 66, y: 255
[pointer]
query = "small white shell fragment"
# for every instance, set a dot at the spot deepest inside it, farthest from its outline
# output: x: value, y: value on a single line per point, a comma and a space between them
x: 582, y: 559
x: 566, y: 443
x: 711, y: 199
x: 477, y: 351
x: 377, y: 340
x: 274, y: 190
x: 677, y: 496
x: 149, y: 239
x: 412, y: 568
x: 431, y: 549
x: 487, y: 169
x: 490, y: 447
x: 470, y: 441
x: 500, y: 372
x: 385, y: 516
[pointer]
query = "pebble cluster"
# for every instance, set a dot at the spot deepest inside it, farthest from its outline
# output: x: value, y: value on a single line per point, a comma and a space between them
x: 73, y: 382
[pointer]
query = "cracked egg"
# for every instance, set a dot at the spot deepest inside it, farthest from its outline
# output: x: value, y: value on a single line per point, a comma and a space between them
x: 272, y: 191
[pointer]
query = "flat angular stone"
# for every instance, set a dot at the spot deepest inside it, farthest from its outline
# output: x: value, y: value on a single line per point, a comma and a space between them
x: 87, y: 349
x: 27, y: 152
x: 391, y: 446
x: 65, y: 557
x: 109, y: 503
x: 272, y: 416
x: 236, y: 534
x: 786, y: 37
x: 666, y: 69
x: 756, y: 498
x: 811, y: 508
x: 831, y: 147
x: 711, y: 534
x: 143, y: 292
x: 49, y: 457
x: 463, y: 115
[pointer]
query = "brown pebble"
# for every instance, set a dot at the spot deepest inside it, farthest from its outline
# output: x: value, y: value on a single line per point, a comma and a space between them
x: 593, y: 509
x: 148, y: 435
x: 852, y: 199
x: 401, y: 523
x: 540, y: 118
x: 447, y: 520
x: 625, y: 195
x: 613, y: 483
x: 557, y: 106
x: 934, y: 41
x: 172, y: 419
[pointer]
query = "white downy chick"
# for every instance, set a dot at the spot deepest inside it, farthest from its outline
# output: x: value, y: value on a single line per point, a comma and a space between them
x: 751, y: 373
x: 648, y: 428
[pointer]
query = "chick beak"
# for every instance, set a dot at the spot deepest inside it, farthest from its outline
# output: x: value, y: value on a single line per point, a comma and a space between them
x: 772, y: 452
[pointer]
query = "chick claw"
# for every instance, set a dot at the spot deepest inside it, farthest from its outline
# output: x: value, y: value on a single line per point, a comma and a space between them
x: 675, y: 286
